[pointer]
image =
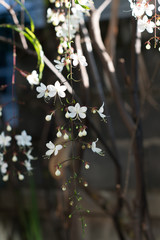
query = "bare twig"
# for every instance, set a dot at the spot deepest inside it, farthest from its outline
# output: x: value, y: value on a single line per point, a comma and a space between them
x: 108, y: 65
x: 15, y: 20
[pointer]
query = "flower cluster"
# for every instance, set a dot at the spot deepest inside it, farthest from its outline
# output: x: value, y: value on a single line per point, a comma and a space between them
x: 66, y: 26
x: 51, y: 90
x: 21, y: 155
x: 147, y: 19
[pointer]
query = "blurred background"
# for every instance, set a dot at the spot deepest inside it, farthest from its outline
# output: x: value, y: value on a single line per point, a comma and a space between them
x: 36, y: 208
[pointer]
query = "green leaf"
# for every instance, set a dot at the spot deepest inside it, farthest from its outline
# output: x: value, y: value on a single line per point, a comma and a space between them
x: 33, y: 40
x: 84, y: 6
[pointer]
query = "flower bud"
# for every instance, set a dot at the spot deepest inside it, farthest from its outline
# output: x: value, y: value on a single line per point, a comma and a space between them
x: 85, y: 184
x: 64, y: 188
x: 84, y: 132
x: 48, y: 118
x: 158, y: 23
x: 9, y: 128
x: 67, y: 115
x: 67, y: 4
x: 14, y: 158
x: 57, y: 4
x: 80, y: 134
x: 5, y: 178
x: 20, y: 176
x: 87, y: 165
x: 59, y: 134
x: 148, y: 46
x: 66, y: 137
x: 60, y: 49
x: 71, y: 203
x: 57, y: 172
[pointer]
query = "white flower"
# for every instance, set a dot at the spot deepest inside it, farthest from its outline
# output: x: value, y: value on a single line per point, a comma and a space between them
x: 149, y: 8
x: 53, y: 148
x: 145, y: 24
x: 28, y: 154
x: 4, y: 140
x: 57, y: 89
x: 28, y: 166
x: 52, y: 17
x: 77, y: 111
x: 100, y: 112
x: 23, y: 139
x: 43, y: 91
x: 78, y: 58
x: 137, y: 9
x: 60, y: 64
x: 4, y: 167
x: 33, y: 78
x: 95, y: 149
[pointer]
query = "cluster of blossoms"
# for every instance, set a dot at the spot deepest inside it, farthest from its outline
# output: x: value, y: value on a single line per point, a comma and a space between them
x: 66, y: 26
x: 22, y: 147
x: 147, y: 19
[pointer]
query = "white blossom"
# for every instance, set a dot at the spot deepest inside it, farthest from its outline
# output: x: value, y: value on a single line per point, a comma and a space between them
x: 145, y: 24
x: 28, y: 154
x: 77, y: 111
x: 53, y: 148
x: 42, y: 89
x: 4, y: 167
x: 78, y: 58
x: 139, y: 8
x: 57, y: 89
x: 96, y: 149
x: 149, y: 8
x: 60, y: 64
x: 100, y: 112
x: 27, y: 165
x: 33, y: 78
x: 23, y: 139
x: 4, y: 140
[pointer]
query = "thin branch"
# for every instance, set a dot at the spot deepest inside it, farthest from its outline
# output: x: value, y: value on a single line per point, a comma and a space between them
x: 108, y: 66
x: 16, y: 22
